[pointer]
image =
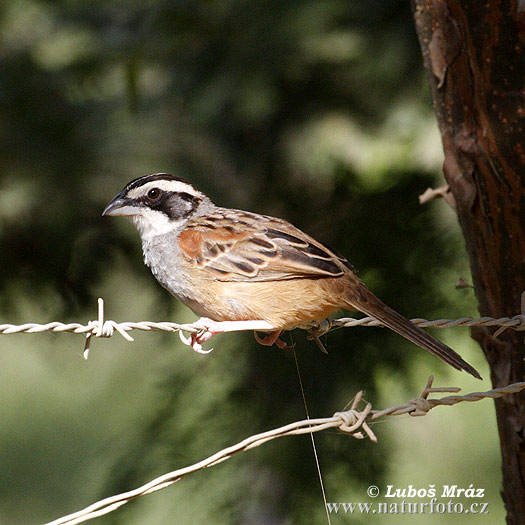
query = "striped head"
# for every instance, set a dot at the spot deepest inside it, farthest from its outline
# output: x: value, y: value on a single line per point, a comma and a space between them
x: 157, y: 203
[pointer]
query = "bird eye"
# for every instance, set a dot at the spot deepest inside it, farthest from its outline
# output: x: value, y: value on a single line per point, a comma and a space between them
x: 153, y: 194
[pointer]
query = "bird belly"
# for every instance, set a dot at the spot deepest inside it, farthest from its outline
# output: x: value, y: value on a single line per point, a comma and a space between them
x: 284, y: 304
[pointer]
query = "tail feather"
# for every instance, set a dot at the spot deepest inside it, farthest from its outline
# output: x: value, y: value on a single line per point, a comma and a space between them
x: 369, y: 304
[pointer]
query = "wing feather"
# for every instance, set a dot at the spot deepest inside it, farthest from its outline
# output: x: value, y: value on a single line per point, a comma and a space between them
x: 240, y: 246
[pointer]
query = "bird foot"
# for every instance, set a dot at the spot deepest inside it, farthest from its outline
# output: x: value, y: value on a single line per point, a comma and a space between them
x: 273, y: 338
x: 195, y: 340
x: 209, y: 328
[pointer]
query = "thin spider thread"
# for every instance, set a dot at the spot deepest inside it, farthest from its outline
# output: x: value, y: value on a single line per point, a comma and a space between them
x: 349, y: 422
x: 317, y: 464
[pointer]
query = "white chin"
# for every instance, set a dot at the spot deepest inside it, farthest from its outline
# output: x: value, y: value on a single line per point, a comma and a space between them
x: 151, y: 223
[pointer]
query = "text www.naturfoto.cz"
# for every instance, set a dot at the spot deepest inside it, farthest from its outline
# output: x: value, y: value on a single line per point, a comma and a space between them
x: 432, y: 507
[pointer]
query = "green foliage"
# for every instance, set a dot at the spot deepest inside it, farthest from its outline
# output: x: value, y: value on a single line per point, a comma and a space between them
x: 314, y: 111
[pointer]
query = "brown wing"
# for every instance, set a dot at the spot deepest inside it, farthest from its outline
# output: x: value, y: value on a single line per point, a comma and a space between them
x: 239, y: 246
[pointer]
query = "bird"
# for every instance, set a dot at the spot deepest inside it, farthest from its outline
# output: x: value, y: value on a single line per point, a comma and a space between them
x: 240, y: 270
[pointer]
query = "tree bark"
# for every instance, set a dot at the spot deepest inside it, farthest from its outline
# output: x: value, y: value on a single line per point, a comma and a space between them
x: 474, y: 56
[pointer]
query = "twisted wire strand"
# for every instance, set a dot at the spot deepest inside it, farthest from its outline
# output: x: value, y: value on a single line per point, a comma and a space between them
x: 106, y: 328
x: 353, y: 422
x: 517, y: 323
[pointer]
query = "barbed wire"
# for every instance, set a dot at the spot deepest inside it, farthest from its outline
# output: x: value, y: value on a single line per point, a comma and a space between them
x: 102, y: 327
x: 353, y: 422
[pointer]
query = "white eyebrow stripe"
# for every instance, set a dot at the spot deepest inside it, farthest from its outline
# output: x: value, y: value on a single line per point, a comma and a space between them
x: 165, y: 185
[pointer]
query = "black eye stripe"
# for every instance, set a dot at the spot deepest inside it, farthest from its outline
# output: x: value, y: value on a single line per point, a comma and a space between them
x: 164, y: 195
x: 174, y: 204
x: 186, y: 196
x: 152, y: 203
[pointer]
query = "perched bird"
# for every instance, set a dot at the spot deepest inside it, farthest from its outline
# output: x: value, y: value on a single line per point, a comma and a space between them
x: 242, y: 270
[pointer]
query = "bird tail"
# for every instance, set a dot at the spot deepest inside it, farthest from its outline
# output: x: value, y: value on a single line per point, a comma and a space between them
x: 366, y: 302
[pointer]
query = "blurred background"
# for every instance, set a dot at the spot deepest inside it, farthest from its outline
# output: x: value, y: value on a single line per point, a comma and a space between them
x: 314, y: 111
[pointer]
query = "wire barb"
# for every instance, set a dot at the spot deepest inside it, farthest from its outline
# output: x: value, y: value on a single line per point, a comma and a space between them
x: 349, y: 422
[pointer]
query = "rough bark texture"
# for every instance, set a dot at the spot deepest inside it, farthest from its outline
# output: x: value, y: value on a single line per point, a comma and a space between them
x: 473, y: 52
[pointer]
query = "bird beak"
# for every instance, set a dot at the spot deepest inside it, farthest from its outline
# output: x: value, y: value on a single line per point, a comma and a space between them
x: 120, y: 205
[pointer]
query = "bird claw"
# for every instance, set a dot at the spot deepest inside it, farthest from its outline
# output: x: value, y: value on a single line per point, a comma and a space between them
x: 195, y: 340
x: 314, y: 336
x: 273, y: 338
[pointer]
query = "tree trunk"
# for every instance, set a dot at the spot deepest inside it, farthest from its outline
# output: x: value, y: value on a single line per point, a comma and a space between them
x: 473, y: 53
